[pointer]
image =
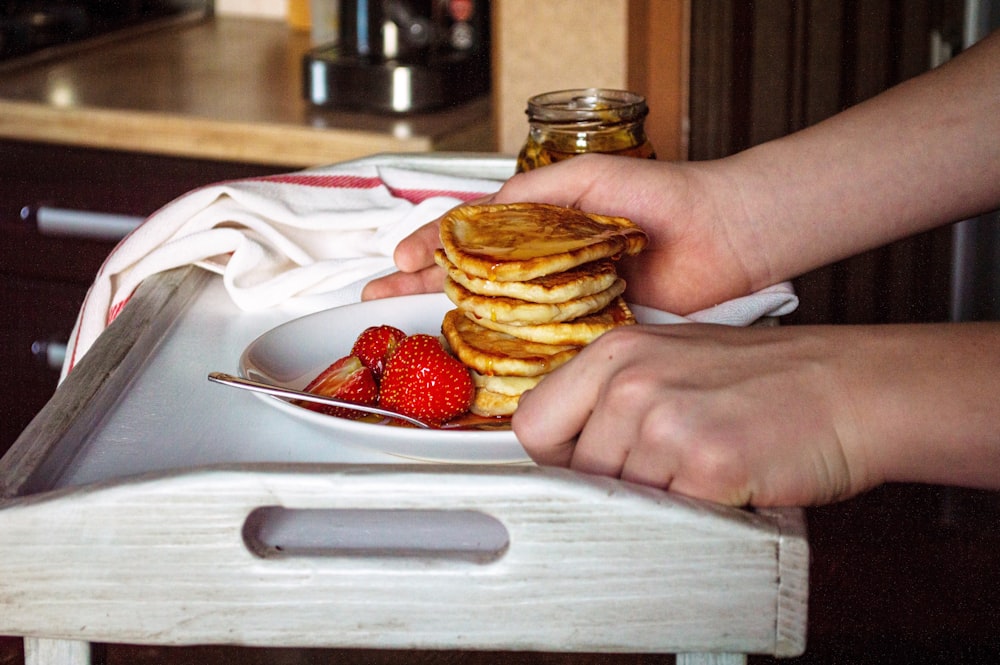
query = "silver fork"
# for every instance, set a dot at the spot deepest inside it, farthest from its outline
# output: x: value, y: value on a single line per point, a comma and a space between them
x: 289, y: 393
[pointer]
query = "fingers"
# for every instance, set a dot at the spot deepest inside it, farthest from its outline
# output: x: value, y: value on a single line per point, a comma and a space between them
x: 414, y: 256
x: 586, y: 416
x: 615, y: 439
x: 734, y: 416
x: 547, y: 424
x: 550, y: 416
x: 549, y: 185
x: 643, y: 466
x: 645, y: 405
x: 428, y: 280
x: 416, y: 251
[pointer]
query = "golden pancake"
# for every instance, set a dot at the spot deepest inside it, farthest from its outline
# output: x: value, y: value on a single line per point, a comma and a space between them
x: 518, y: 242
x: 499, y: 395
x: 581, y: 331
x: 504, y: 385
x: 577, y: 282
x: 495, y: 353
x: 521, y: 312
x: 488, y: 403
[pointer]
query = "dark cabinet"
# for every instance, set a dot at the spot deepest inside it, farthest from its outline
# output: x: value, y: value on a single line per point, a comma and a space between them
x: 43, y: 279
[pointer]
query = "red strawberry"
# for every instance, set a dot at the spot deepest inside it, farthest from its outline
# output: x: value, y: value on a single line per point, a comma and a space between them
x: 346, y: 379
x: 423, y: 380
x: 374, y: 346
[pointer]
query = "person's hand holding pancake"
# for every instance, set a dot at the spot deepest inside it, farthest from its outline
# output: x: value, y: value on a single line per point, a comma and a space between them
x: 694, y: 259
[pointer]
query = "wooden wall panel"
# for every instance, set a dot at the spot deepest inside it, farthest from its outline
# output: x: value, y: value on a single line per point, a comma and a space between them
x: 713, y: 80
x: 553, y: 45
x: 641, y: 45
x: 658, y: 64
x: 762, y: 69
x: 771, y: 70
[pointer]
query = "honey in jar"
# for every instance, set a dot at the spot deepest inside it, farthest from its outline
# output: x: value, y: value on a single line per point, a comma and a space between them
x: 567, y: 123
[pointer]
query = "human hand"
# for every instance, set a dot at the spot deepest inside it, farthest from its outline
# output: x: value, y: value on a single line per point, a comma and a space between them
x: 693, y: 260
x: 414, y: 257
x: 736, y: 416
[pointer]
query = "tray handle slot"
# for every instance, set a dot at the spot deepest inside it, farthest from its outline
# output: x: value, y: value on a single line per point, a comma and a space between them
x: 466, y: 535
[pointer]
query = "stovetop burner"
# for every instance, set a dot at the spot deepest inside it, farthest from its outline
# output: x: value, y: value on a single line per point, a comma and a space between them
x: 32, y: 26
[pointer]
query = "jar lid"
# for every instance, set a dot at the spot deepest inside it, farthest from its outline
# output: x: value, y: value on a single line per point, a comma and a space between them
x: 584, y: 105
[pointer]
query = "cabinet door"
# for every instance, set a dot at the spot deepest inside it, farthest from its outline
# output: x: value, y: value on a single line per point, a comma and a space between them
x: 43, y: 279
x: 37, y: 313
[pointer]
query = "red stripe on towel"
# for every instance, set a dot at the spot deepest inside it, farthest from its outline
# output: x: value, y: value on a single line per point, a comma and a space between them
x: 328, y: 181
x: 340, y: 181
x: 419, y: 195
x: 116, y: 309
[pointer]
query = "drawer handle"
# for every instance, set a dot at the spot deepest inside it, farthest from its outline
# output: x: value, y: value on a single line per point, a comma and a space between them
x: 49, y: 353
x: 82, y: 224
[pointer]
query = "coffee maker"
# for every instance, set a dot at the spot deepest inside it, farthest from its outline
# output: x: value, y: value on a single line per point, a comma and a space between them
x: 402, y: 56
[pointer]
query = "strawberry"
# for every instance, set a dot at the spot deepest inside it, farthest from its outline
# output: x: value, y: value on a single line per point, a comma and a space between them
x: 374, y: 346
x: 423, y: 380
x: 347, y: 379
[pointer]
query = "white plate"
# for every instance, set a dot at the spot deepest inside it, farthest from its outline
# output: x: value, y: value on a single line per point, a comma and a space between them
x: 293, y: 353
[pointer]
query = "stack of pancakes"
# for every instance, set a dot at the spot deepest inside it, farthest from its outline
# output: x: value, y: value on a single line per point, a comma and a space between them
x: 533, y: 284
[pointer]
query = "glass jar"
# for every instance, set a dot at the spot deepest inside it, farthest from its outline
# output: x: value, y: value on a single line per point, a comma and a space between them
x: 567, y: 123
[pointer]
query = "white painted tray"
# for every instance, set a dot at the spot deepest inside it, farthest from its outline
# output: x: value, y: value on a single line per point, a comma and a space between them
x: 146, y: 505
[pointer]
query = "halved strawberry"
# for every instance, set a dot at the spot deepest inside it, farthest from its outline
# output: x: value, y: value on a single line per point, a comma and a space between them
x: 423, y: 380
x: 347, y: 379
x: 374, y: 346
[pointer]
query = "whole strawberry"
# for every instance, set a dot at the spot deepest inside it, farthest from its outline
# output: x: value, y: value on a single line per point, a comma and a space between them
x: 374, y: 346
x: 347, y: 379
x: 423, y: 380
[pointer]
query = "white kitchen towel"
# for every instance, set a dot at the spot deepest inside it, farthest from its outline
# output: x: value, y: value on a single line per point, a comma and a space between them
x: 777, y: 300
x: 276, y: 237
x: 326, y: 230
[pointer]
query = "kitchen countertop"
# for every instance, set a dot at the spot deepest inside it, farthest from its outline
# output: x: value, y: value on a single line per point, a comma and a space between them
x: 226, y: 88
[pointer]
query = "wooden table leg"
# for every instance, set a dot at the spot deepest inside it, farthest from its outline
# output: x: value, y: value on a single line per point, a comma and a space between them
x: 41, y: 651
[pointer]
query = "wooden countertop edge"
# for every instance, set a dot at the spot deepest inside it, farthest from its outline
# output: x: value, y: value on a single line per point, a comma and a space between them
x: 193, y: 137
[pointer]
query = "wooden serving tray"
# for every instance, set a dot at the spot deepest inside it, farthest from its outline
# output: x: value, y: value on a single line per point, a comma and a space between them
x: 145, y: 506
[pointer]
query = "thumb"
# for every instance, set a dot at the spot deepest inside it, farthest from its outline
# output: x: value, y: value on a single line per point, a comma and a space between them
x: 416, y: 251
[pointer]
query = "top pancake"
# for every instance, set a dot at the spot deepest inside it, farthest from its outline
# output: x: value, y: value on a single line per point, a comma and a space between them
x: 523, y: 241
